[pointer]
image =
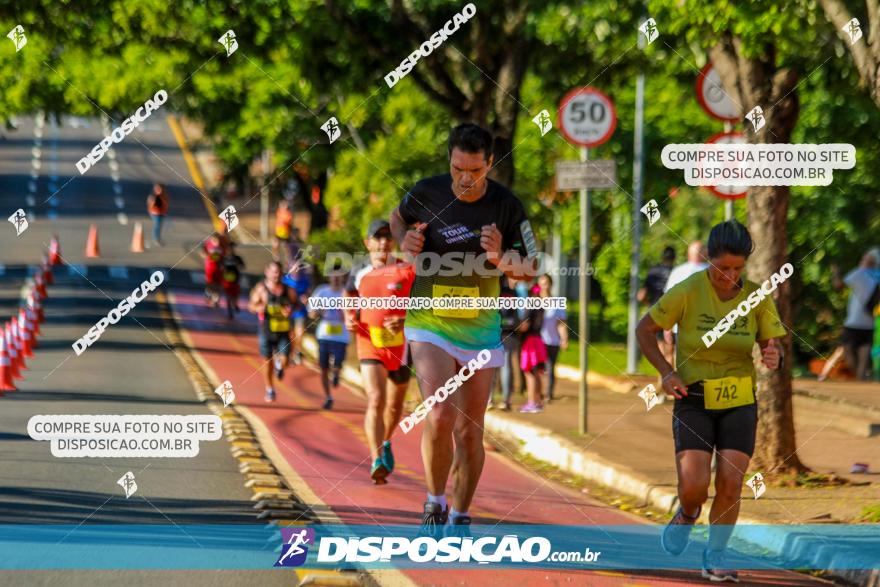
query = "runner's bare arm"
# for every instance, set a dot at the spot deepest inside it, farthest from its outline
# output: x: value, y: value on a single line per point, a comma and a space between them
x: 646, y: 334
x: 257, y: 301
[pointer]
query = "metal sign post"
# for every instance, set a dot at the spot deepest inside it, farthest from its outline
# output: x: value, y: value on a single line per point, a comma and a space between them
x: 587, y: 118
x: 584, y: 306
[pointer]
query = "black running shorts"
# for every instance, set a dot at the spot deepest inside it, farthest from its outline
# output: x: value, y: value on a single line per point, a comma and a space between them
x: 696, y: 428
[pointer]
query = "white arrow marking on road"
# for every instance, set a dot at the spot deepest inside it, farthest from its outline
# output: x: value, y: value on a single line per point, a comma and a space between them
x: 118, y: 272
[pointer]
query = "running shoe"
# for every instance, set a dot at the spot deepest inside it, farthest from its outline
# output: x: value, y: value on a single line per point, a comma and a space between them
x: 328, y: 404
x: 378, y: 472
x: 459, y: 526
x: 433, y: 520
x: 677, y: 532
x: 279, y: 370
x: 531, y: 408
x: 387, y: 456
x: 270, y: 395
x: 715, y: 567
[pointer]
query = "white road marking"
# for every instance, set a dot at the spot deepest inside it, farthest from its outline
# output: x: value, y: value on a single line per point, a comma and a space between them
x: 120, y: 203
x: 122, y: 218
x: 37, y: 152
x: 32, y: 186
x: 117, y: 189
x: 31, y: 200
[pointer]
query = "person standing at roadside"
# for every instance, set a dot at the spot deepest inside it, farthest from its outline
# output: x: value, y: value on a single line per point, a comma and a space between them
x: 858, y: 328
x: 157, y: 207
x: 554, y: 333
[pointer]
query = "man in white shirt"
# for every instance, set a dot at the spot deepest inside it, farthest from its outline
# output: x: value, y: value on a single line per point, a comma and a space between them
x: 858, y: 328
x: 696, y: 255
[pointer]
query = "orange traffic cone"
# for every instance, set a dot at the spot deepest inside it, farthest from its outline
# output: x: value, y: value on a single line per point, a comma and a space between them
x: 137, y: 238
x: 25, y: 334
x: 14, y: 351
x: 55, y: 251
x: 92, y: 249
x: 6, y: 383
x: 33, y: 318
x: 37, y: 306
x: 40, y: 285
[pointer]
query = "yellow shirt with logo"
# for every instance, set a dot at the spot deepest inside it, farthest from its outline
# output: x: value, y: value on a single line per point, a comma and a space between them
x: 694, y: 305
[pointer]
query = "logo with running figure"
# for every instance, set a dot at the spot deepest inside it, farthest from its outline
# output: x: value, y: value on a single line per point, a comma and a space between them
x: 19, y: 221
x: 756, y: 117
x: 756, y: 483
x: 543, y: 121
x: 17, y: 37
x: 331, y: 127
x: 854, y: 30
x: 224, y: 390
x: 649, y: 29
x: 651, y: 211
x: 296, y: 546
x: 229, y: 217
x: 128, y: 484
x: 228, y: 41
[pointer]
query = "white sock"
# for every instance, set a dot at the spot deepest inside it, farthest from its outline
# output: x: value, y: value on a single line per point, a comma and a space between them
x: 441, y: 499
x: 453, y: 514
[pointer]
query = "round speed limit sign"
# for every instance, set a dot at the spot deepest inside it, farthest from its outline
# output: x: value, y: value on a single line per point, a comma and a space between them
x: 713, y: 98
x: 587, y: 117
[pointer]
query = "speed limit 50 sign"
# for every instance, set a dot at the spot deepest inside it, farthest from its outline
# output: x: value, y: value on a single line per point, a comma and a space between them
x: 587, y: 117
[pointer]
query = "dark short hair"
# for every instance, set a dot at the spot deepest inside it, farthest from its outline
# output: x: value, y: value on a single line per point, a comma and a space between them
x: 732, y: 238
x: 276, y: 264
x: 669, y: 254
x: 470, y: 138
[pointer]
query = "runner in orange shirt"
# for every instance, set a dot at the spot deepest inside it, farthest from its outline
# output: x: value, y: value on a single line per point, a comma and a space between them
x: 381, y: 347
x: 283, y: 226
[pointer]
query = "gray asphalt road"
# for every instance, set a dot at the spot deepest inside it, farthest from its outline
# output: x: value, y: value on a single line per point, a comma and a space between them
x: 130, y: 370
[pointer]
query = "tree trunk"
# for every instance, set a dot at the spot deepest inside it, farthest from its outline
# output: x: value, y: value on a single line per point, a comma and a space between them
x: 758, y: 82
x: 866, y: 51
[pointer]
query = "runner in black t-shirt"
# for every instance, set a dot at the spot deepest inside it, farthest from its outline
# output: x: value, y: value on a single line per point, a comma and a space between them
x: 463, y: 215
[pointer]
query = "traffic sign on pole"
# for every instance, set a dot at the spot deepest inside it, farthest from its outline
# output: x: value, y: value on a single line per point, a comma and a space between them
x: 577, y: 175
x: 587, y: 118
x: 728, y: 192
x: 712, y: 97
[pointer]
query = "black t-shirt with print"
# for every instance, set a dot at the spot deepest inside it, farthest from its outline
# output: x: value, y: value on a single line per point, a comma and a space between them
x: 454, y: 226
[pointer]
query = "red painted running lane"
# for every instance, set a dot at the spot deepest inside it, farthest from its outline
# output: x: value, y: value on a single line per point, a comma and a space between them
x: 328, y: 450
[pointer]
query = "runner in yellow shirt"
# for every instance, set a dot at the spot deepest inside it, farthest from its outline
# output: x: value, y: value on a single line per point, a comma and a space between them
x: 713, y: 386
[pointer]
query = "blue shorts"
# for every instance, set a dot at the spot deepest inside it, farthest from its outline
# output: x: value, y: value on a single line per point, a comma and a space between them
x: 326, y: 348
x: 274, y: 343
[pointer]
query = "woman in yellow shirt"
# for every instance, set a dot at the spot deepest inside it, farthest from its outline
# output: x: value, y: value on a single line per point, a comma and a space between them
x: 720, y: 317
